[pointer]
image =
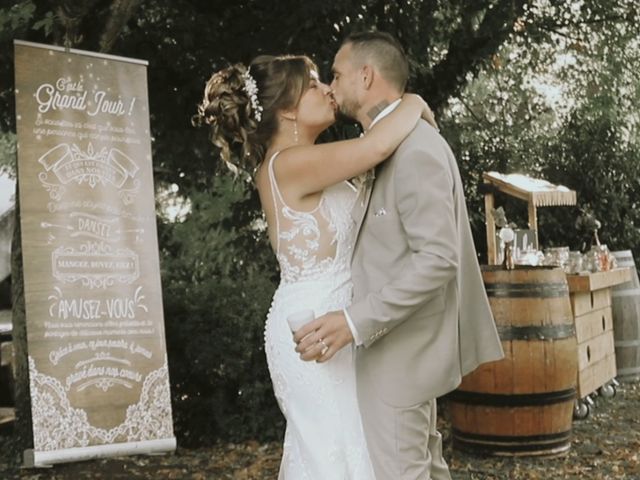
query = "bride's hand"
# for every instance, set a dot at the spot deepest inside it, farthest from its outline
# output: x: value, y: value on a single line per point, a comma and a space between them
x: 321, y: 338
x: 427, y: 113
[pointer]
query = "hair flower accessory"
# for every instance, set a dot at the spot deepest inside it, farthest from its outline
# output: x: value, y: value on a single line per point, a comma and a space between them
x: 251, y: 90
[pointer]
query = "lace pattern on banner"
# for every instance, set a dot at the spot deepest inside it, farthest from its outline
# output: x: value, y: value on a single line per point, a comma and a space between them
x: 57, y: 425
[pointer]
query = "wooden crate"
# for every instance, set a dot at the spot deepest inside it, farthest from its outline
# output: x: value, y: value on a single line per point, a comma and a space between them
x: 592, y: 315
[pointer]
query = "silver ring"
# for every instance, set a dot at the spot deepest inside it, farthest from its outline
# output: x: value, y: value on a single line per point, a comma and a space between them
x: 325, y: 347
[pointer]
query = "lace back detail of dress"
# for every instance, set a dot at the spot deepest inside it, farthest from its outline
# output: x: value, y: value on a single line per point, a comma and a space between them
x: 313, y: 244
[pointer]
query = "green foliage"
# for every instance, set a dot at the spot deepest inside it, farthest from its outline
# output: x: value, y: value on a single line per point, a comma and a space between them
x: 8, y: 153
x: 47, y: 24
x: 218, y: 276
x: 558, y: 101
x: 592, y: 157
x: 16, y: 18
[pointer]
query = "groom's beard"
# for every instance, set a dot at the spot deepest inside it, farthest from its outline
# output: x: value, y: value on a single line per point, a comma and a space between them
x: 348, y: 110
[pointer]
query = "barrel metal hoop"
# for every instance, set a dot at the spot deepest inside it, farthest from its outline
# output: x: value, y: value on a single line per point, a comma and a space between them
x: 541, y: 332
x: 512, y: 444
x: 512, y: 400
x: 524, y: 290
x: 547, y: 437
x: 627, y: 343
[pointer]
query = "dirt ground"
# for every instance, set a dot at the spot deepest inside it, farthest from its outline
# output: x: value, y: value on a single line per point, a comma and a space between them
x: 606, y: 445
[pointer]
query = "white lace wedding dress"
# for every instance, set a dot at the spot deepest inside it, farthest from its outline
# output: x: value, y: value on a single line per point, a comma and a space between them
x: 324, y: 439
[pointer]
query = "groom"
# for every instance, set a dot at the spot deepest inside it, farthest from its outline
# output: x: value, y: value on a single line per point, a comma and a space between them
x: 420, y: 316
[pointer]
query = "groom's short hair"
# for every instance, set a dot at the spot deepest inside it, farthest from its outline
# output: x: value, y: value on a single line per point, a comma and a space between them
x: 385, y: 52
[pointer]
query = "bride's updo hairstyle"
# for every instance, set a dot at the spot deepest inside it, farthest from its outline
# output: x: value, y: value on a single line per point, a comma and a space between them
x: 241, y: 105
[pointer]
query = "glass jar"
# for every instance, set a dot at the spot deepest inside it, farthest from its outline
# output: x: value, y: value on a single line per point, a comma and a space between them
x: 591, y: 260
x: 557, y: 256
x: 574, y: 266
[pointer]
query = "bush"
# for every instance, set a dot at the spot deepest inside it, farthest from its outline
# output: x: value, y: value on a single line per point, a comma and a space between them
x: 219, y: 274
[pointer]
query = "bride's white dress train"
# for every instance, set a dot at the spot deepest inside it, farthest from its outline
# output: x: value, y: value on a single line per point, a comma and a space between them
x: 324, y: 439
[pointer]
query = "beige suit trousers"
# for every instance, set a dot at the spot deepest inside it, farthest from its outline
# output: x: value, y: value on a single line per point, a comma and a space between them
x: 403, y: 442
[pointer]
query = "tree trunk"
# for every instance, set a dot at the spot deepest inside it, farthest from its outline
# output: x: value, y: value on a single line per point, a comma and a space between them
x: 121, y: 12
x: 23, y: 431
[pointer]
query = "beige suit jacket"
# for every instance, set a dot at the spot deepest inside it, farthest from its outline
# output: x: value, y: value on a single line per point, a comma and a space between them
x: 419, y: 303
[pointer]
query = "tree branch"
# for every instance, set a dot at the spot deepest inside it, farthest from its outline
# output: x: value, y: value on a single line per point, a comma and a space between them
x: 71, y: 14
x: 471, y: 111
x: 121, y: 13
x: 550, y: 29
x: 468, y: 49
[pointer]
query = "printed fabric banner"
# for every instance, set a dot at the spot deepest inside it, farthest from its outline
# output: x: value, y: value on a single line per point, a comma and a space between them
x: 98, y: 371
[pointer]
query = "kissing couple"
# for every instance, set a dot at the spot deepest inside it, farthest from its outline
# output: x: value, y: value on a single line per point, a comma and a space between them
x: 375, y: 252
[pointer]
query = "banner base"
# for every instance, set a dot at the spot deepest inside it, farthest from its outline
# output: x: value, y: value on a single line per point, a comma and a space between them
x: 33, y: 459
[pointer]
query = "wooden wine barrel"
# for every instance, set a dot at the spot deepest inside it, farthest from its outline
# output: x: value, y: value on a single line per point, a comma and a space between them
x: 625, y: 305
x: 522, y: 404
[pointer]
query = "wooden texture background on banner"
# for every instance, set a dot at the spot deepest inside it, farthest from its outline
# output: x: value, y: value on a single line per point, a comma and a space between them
x: 95, y: 328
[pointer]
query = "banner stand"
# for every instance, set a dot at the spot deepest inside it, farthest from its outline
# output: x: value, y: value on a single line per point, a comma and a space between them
x: 98, y: 371
x: 47, y: 459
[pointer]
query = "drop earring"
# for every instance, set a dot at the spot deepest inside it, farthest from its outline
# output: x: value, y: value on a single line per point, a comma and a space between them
x: 295, y: 130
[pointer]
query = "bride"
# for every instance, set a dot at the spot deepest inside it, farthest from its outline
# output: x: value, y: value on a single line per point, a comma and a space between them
x: 273, y: 112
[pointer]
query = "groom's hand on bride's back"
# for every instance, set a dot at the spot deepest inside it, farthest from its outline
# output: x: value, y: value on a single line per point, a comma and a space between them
x: 320, y: 339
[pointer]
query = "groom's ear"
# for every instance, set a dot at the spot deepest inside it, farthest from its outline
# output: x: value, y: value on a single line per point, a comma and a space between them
x: 367, y: 73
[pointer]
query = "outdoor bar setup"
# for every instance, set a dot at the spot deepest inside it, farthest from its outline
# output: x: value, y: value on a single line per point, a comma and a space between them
x: 554, y: 314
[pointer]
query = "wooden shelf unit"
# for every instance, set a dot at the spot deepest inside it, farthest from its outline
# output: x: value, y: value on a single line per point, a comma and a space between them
x: 590, y: 295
